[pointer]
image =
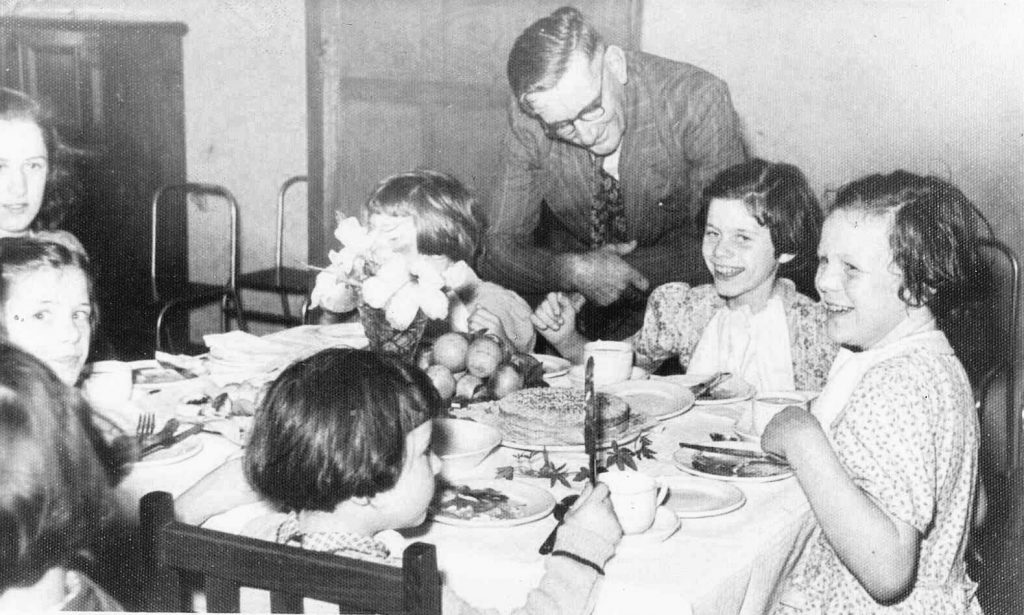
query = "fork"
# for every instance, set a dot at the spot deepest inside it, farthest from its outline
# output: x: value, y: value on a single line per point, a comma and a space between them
x: 146, y: 426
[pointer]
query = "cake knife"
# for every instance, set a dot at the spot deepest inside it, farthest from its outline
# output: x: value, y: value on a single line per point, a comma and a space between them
x: 590, y: 421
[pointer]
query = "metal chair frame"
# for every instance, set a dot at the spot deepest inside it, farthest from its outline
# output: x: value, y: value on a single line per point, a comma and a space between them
x: 284, y: 281
x: 1008, y: 364
x: 196, y: 294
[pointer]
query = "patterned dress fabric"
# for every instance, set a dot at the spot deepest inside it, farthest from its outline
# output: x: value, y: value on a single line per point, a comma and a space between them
x: 909, y: 438
x: 677, y: 314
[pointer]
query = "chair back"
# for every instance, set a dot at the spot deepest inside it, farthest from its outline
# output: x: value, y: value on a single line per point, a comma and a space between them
x: 1004, y: 269
x: 227, y: 563
x: 161, y: 198
x: 281, y: 194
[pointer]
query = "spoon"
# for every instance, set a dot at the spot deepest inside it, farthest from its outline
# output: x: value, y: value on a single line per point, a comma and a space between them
x: 561, y: 508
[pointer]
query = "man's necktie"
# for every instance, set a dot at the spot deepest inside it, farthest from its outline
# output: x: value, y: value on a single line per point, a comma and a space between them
x: 608, y: 213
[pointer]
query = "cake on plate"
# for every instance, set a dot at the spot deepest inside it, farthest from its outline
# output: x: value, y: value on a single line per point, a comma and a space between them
x: 556, y: 415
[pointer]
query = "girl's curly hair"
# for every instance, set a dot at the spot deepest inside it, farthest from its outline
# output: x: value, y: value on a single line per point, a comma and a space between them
x: 933, y: 237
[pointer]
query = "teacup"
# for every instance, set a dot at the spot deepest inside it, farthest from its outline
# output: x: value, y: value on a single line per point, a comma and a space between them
x: 767, y: 404
x: 613, y: 361
x: 109, y: 383
x: 635, y: 498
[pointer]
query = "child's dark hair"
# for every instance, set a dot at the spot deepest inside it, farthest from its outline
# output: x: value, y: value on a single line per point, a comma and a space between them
x: 933, y: 236
x: 55, y: 492
x: 441, y: 207
x: 60, y: 197
x: 333, y: 427
x: 19, y: 255
x: 779, y: 198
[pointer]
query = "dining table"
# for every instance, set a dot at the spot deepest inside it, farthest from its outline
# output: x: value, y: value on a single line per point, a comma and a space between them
x: 728, y: 563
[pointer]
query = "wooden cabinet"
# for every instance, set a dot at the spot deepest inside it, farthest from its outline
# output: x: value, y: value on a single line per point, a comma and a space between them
x: 393, y: 86
x: 115, y: 90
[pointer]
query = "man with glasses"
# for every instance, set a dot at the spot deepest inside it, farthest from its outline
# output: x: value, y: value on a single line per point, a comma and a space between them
x: 607, y: 154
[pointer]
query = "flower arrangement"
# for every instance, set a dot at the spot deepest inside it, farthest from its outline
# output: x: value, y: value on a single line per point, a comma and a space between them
x: 366, y: 271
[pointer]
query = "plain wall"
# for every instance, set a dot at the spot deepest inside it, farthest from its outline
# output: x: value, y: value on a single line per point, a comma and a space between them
x: 842, y: 88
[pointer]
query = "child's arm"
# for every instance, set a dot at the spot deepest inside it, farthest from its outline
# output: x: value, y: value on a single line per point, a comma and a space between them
x: 555, y: 319
x: 221, y: 490
x: 483, y: 319
x: 880, y: 551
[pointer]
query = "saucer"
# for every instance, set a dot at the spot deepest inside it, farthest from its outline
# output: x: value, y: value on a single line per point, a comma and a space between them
x: 665, y: 524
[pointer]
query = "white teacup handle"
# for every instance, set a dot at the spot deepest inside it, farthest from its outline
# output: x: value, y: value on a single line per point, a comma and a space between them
x: 662, y: 494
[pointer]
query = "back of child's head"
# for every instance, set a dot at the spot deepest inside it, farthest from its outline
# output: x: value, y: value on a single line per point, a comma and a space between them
x: 24, y: 255
x: 933, y: 236
x: 54, y: 489
x: 779, y: 198
x: 61, y: 186
x: 441, y: 207
x: 333, y: 427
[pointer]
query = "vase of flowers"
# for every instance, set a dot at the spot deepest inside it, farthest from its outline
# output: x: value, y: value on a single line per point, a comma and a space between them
x: 396, y: 294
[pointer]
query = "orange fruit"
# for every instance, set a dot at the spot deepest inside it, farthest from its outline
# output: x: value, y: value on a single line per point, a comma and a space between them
x: 443, y: 381
x: 483, y: 357
x: 450, y: 350
x: 506, y: 379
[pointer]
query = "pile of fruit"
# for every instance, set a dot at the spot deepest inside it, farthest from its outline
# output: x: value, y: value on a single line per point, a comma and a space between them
x: 476, y: 367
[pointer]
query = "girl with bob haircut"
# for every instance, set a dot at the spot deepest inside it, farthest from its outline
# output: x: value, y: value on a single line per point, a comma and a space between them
x: 47, y: 300
x: 761, y: 221
x: 341, y: 444
x: 430, y: 213
x: 888, y: 455
x: 55, y: 490
x: 38, y: 186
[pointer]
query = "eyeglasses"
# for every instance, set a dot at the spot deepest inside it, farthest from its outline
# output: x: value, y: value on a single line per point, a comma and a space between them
x: 565, y: 129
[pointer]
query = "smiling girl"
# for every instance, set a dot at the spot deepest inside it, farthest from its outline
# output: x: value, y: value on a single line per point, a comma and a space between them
x: 762, y: 221
x: 888, y: 458
x: 35, y: 184
x: 46, y: 300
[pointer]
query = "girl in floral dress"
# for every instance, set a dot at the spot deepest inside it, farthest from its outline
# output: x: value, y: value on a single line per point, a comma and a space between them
x: 888, y: 455
x: 761, y: 222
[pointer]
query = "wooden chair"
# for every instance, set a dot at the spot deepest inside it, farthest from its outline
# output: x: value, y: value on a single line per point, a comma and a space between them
x: 281, y: 280
x: 171, y: 292
x: 227, y: 562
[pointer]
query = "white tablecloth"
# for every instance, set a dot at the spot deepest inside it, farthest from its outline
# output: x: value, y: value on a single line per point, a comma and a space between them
x: 716, y: 565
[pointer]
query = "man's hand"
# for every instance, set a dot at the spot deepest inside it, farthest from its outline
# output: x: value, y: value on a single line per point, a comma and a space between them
x: 602, y: 275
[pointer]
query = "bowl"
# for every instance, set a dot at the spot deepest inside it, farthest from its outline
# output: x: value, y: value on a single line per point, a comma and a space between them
x: 462, y: 444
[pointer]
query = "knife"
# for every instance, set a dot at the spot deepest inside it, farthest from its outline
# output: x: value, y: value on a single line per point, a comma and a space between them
x: 590, y: 421
x: 737, y: 452
x: 194, y: 429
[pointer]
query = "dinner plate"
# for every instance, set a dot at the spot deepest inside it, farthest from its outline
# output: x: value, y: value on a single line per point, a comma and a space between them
x: 665, y: 524
x: 536, y: 504
x: 684, y: 461
x: 148, y: 375
x: 730, y: 391
x: 690, y: 497
x: 553, y: 366
x: 744, y: 427
x: 181, y: 451
x: 656, y: 398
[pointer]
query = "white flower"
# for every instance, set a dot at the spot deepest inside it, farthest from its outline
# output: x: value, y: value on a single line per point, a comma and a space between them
x: 401, y: 285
